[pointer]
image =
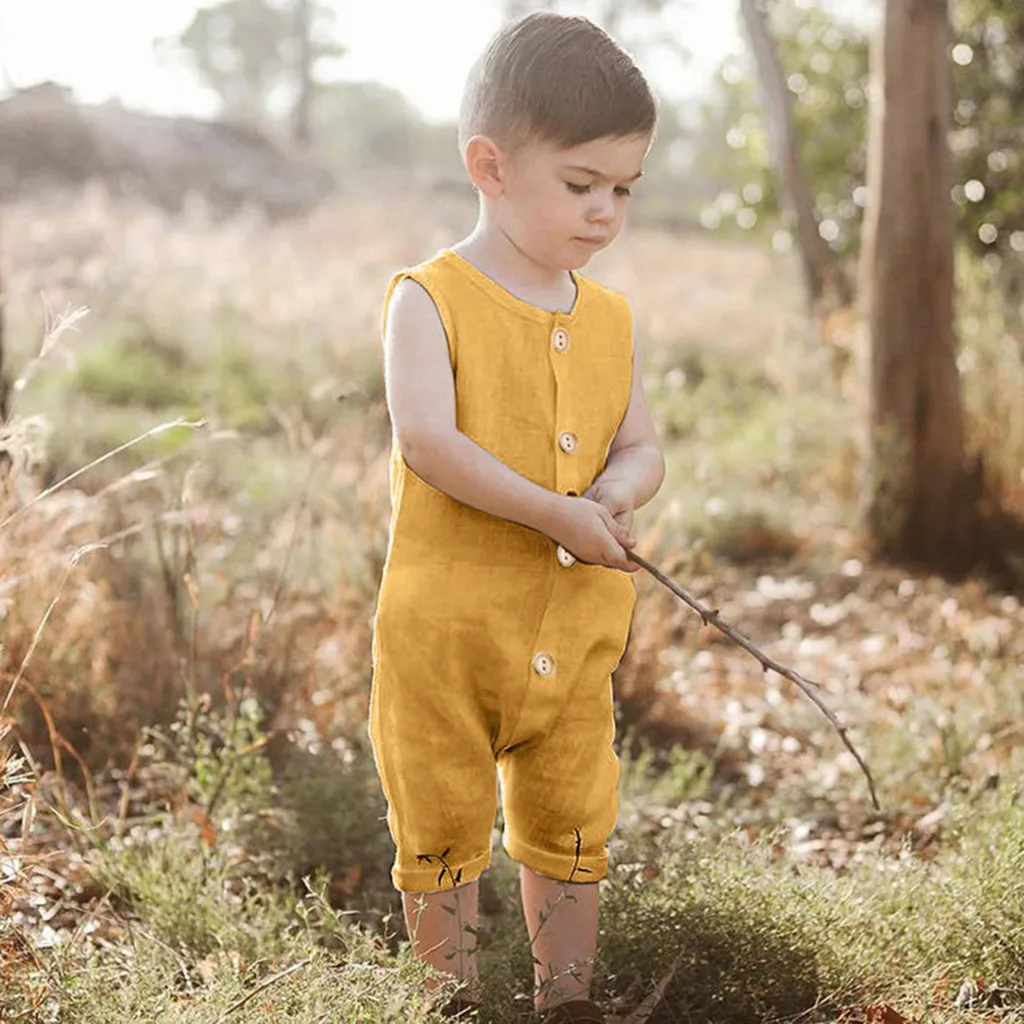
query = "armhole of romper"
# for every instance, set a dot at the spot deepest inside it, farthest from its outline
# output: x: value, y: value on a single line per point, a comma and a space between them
x: 620, y: 301
x: 630, y: 330
x: 442, y: 308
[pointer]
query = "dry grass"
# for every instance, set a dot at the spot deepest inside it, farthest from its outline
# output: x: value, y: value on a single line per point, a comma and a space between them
x: 241, y: 559
x: 16, y: 805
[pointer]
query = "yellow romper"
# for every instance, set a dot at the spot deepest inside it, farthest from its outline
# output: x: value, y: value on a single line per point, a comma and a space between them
x: 492, y: 646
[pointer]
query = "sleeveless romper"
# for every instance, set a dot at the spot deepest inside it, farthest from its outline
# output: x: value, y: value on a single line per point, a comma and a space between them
x: 492, y: 646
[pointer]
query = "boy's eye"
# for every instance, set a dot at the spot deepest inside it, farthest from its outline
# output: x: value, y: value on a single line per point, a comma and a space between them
x: 582, y: 190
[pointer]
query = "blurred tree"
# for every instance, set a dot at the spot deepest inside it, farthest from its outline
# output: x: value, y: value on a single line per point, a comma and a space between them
x: 823, y: 59
x: 827, y: 284
x: 260, y: 57
x: 988, y: 58
x: 367, y: 126
x: 917, y: 503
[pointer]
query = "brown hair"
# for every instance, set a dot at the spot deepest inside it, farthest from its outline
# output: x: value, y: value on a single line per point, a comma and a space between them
x: 560, y: 78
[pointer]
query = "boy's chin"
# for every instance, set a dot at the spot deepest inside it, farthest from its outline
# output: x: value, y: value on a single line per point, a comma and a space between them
x: 579, y: 253
x: 571, y: 256
x: 576, y: 261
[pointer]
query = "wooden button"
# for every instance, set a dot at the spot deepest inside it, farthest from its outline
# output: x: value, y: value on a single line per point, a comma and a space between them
x: 544, y: 665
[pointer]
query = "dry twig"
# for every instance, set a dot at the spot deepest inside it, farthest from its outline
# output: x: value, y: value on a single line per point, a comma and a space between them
x: 259, y: 988
x: 643, y: 1012
x: 809, y: 688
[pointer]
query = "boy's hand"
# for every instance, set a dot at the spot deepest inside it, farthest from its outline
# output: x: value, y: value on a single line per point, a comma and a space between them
x: 588, y: 530
x: 617, y: 498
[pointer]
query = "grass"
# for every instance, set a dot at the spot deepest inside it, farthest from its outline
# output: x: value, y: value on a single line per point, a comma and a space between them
x: 195, y: 706
x: 760, y: 940
x: 750, y: 934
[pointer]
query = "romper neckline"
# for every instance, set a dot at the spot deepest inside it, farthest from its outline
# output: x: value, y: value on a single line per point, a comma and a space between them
x: 512, y: 302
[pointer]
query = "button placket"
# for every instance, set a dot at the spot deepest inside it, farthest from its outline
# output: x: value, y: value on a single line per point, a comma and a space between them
x: 567, y: 440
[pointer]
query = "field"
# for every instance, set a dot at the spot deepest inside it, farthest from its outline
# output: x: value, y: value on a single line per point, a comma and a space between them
x: 192, y: 820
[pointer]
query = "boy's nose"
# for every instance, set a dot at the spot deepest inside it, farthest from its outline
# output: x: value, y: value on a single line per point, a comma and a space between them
x: 603, y: 211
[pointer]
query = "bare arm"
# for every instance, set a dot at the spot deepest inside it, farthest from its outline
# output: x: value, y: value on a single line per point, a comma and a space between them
x: 635, y: 467
x: 421, y: 402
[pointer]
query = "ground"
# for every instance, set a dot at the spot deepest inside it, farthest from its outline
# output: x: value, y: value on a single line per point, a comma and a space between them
x: 194, y: 703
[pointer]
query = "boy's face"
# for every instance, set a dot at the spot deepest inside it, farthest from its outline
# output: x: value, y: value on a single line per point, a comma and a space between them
x: 560, y: 206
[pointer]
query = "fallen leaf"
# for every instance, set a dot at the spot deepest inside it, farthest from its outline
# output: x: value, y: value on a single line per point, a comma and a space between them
x: 347, y: 884
x: 883, y: 1013
x: 208, y: 831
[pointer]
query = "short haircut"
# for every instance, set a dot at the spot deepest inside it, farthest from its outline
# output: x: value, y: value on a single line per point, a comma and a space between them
x: 557, y: 78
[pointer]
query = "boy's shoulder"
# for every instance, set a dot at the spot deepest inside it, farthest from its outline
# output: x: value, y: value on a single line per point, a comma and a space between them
x: 602, y: 291
x: 432, y: 274
x: 605, y: 302
x: 431, y: 266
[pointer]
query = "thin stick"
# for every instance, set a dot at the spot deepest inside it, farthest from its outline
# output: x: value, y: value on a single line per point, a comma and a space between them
x: 259, y: 988
x: 808, y: 687
x: 152, y: 432
x: 641, y: 1014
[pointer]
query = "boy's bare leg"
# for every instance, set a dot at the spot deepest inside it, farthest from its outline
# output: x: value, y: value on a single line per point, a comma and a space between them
x: 436, y: 931
x: 566, y: 942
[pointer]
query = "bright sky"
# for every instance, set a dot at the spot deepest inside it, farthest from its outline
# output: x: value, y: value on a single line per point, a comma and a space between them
x: 104, y: 48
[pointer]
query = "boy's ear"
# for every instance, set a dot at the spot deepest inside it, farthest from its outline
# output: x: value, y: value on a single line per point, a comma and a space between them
x: 485, y: 165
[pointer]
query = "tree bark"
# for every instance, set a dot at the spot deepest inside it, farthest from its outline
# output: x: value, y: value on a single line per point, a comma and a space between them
x: 918, y: 505
x: 827, y: 284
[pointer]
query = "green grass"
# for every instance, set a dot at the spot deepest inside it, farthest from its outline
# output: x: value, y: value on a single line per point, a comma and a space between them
x: 748, y: 455
x: 124, y: 373
x: 760, y: 938
x: 123, y: 386
x: 206, y: 932
x: 750, y: 934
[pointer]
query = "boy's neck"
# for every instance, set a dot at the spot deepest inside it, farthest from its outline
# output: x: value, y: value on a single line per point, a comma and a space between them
x: 491, y: 251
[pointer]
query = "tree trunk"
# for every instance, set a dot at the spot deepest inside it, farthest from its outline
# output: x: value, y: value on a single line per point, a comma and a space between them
x: 827, y: 284
x: 918, y: 504
x: 301, y: 132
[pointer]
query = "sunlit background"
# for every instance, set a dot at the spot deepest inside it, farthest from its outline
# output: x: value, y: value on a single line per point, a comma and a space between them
x: 105, y: 49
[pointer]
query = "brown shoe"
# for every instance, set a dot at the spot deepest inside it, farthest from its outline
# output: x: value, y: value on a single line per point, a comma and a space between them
x: 576, y: 1011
